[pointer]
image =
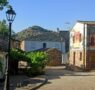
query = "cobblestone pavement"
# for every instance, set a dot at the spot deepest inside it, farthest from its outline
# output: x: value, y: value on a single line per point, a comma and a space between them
x: 58, y: 79
x: 22, y: 82
x: 61, y: 79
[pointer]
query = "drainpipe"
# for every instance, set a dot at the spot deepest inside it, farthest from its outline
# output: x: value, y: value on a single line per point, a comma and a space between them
x: 84, y: 46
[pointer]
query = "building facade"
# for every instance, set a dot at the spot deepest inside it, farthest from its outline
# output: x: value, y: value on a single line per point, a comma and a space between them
x: 29, y: 45
x: 15, y: 43
x: 82, y: 45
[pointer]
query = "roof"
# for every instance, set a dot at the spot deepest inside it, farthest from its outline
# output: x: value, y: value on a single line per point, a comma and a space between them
x: 50, y: 36
x: 86, y: 22
x: 65, y: 35
x: 47, y: 49
x: 15, y: 39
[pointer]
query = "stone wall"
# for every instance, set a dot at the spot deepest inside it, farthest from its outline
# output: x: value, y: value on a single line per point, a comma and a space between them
x: 3, y: 43
x: 54, y: 57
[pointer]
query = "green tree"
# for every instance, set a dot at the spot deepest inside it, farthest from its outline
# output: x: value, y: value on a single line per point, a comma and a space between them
x: 3, y: 28
x: 3, y: 3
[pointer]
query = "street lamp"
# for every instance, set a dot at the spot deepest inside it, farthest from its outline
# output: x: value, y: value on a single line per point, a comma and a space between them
x: 10, y: 15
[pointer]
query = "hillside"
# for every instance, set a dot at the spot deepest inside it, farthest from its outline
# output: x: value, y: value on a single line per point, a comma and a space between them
x: 37, y: 33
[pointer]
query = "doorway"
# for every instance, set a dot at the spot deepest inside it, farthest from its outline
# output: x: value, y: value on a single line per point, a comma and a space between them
x: 74, y: 54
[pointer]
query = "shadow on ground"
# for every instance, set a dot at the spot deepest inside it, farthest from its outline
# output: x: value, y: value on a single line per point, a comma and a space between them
x: 51, y: 73
x: 58, y: 71
x: 27, y: 83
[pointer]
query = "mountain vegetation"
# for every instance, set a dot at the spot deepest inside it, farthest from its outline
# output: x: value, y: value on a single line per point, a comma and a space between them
x: 37, y: 33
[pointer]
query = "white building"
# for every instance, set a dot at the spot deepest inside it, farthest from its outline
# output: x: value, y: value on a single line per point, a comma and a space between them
x: 29, y: 45
x: 82, y: 45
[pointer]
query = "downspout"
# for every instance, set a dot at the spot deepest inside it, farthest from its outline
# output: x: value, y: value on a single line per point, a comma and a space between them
x: 84, y: 48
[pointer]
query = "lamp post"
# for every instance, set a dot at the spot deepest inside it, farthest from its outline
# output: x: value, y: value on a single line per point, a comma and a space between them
x: 10, y: 15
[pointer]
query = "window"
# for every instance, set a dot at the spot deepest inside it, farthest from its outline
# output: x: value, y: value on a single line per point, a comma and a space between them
x: 92, y: 41
x: 44, y: 45
x: 80, y: 37
x: 73, y: 39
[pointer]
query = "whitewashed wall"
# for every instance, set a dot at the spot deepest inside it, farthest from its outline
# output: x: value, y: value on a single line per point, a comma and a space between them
x: 34, y: 45
x: 78, y: 27
x: 81, y: 28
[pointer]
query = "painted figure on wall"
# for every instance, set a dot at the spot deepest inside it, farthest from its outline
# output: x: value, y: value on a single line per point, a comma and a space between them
x: 77, y: 39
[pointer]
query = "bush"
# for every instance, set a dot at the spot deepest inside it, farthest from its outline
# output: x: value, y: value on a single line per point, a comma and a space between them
x: 15, y: 56
x: 37, y: 62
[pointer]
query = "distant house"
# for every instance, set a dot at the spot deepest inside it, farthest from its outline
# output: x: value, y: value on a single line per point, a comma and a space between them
x: 15, y: 43
x: 82, y: 45
x: 4, y: 43
x: 31, y: 45
x: 36, y: 37
x: 4, y: 52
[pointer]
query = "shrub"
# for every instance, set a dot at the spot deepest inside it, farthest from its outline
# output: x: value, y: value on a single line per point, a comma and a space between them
x: 37, y: 62
x: 15, y: 56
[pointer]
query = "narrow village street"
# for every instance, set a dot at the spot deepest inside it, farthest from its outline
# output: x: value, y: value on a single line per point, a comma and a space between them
x: 55, y: 78
x: 61, y: 79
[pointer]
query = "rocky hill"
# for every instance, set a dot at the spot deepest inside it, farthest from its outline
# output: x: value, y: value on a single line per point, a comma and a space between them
x: 38, y: 33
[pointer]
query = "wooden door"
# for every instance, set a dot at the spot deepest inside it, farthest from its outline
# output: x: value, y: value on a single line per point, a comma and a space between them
x: 74, y: 54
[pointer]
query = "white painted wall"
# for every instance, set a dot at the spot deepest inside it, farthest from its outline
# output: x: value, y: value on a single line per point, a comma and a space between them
x: 78, y: 27
x: 34, y: 45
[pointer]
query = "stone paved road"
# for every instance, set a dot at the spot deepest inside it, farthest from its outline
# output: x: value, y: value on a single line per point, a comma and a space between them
x: 22, y: 82
x: 61, y: 79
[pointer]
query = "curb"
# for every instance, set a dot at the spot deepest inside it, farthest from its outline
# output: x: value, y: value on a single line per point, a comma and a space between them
x: 35, y: 85
x: 39, y: 85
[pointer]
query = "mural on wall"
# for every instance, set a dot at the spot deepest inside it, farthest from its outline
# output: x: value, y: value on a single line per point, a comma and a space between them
x: 91, y: 35
x: 77, y: 39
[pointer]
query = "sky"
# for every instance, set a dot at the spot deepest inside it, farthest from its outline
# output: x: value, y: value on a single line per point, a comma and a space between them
x: 50, y: 14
